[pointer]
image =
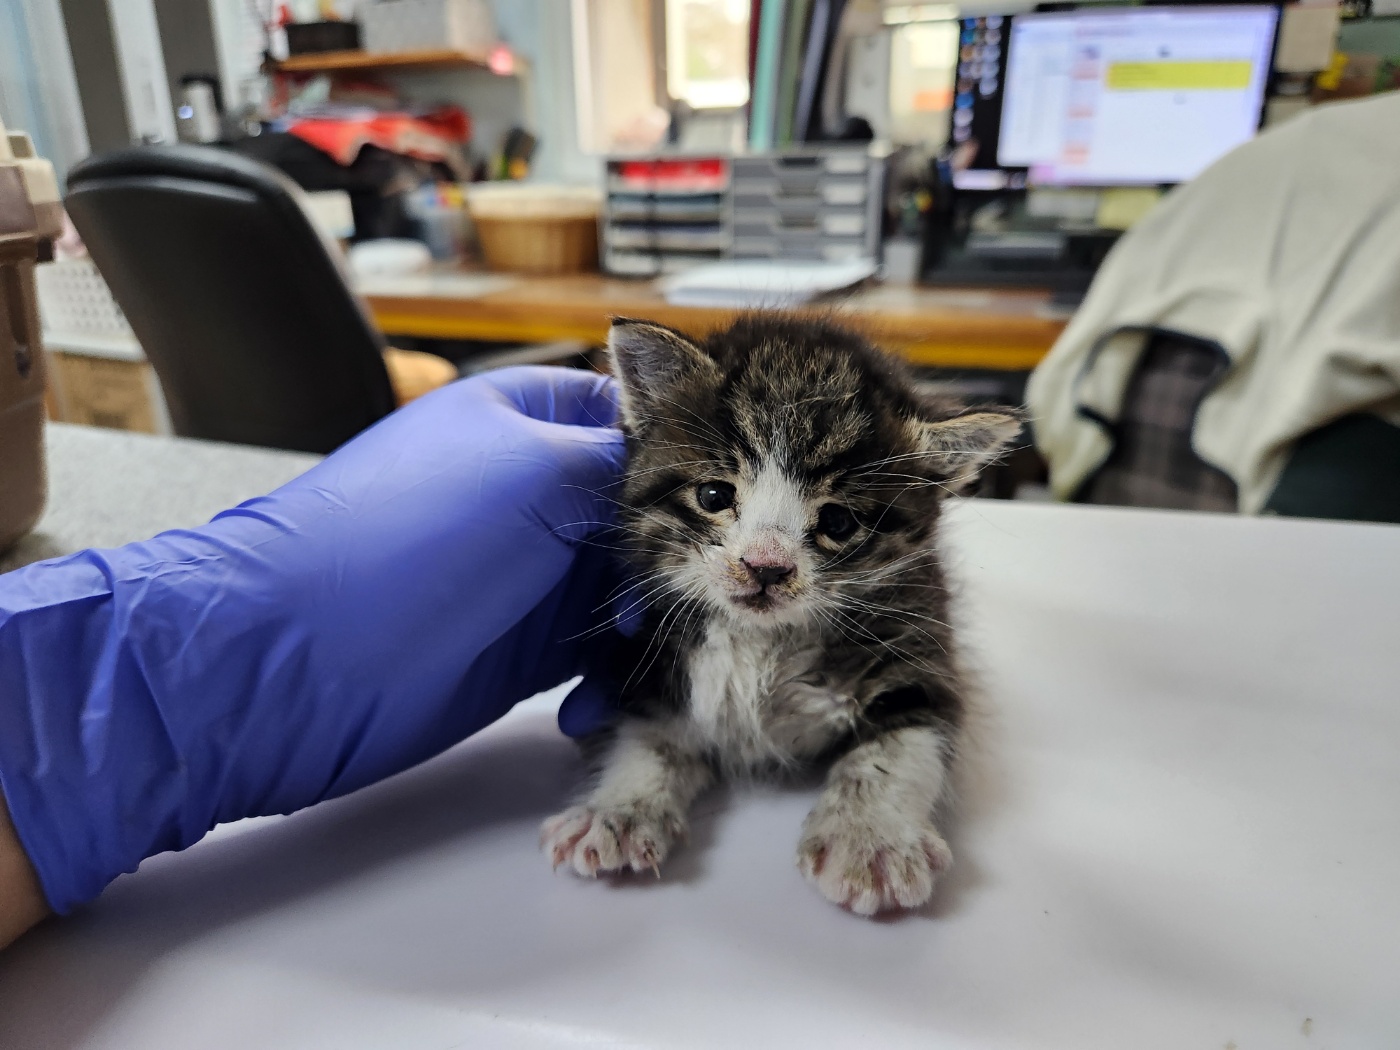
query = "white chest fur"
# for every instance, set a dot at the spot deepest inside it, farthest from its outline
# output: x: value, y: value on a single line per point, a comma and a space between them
x: 757, y: 698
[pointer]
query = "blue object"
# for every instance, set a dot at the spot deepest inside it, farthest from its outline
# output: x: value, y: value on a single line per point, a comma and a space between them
x: 396, y: 598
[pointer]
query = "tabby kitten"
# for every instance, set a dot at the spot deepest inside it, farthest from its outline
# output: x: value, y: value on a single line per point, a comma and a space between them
x: 780, y: 511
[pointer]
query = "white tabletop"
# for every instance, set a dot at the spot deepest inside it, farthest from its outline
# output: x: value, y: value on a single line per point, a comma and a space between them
x: 1182, y: 830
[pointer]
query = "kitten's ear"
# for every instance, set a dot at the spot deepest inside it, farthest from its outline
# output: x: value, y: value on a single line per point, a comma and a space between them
x: 649, y: 361
x: 962, y: 446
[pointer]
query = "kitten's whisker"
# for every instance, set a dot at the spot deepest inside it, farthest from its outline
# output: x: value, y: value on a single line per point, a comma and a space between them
x: 903, y: 563
x: 899, y: 615
x: 705, y: 423
x: 659, y: 639
x: 625, y: 529
x: 644, y: 599
x: 906, y: 656
x: 634, y: 474
x: 837, y: 606
x: 915, y: 481
x: 847, y: 555
x: 635, y: 583
x: 699, y: 607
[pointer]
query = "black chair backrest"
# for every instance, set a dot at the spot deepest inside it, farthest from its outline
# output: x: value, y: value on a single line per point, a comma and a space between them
x: 233, y: 295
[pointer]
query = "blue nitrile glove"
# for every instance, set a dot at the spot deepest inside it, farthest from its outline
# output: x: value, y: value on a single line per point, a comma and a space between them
x: 396, y: 598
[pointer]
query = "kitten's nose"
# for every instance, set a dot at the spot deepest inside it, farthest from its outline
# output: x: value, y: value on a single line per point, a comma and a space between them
x: 766, y: 573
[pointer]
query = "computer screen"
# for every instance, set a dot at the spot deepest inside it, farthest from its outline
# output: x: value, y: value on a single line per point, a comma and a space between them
x: 1132, y: 96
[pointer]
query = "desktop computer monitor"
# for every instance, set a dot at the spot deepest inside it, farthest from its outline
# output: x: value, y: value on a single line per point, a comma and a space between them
x: 1130, y: 96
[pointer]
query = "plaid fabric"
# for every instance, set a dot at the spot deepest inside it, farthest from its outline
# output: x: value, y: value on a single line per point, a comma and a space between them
x: 1153, y: 463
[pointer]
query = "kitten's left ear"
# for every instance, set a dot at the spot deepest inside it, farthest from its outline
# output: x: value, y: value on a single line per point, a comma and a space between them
x: 962, y: 446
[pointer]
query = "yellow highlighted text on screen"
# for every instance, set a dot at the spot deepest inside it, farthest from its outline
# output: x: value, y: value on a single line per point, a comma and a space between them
x: 1225, y: 75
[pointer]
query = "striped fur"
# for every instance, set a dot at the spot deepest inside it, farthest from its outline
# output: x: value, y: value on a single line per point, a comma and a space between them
x: 773, y: 639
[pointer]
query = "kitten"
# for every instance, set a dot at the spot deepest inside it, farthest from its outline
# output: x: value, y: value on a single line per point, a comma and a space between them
x: 780, y: 509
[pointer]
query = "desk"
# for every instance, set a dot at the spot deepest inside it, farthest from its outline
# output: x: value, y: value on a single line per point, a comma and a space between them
x: 1182, y: 829
x: 109, y: 487
x: 951, y: 328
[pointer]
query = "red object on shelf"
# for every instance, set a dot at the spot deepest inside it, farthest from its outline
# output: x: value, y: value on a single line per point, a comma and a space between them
x: 430, y: 137
x: 501, y: 60
x: 704, y: 175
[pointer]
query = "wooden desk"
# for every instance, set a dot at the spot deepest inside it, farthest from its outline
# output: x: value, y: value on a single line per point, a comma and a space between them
x: 952, y: 328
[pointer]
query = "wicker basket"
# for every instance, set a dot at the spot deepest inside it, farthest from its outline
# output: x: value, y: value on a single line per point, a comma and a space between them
x: 536, y: 229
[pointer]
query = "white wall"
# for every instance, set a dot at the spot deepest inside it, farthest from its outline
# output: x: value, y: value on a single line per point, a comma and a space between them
x: 540, y: 98
x: 540, y: 31
x: 149, y: 112
x: 38, y: 90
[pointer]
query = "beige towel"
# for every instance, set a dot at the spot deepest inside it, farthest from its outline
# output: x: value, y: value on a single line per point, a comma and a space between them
x: 1286, y: 252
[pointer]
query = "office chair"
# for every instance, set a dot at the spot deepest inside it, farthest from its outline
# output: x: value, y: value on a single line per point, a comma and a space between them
x: 237, y: 301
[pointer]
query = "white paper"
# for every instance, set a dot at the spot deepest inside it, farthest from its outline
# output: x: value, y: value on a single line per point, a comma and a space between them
x: 760, y: 283
x: 442, y: 285
x: 1307, y: 38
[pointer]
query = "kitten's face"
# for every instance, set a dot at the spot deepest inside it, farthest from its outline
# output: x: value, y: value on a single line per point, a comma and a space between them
x: 782, y: 468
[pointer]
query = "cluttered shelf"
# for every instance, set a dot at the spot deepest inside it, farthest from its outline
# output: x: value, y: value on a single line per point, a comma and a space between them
x: 425, y: 58
x: 963, y: 328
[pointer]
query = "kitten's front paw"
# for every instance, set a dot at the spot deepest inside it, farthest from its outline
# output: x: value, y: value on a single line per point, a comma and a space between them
x: 610, y: 839
x: 866, y: 871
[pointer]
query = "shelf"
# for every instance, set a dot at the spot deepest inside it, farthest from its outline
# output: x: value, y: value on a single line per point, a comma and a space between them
x: 332, y: 61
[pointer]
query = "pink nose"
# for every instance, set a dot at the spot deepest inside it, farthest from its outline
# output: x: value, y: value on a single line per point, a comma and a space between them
x: 768, y: 570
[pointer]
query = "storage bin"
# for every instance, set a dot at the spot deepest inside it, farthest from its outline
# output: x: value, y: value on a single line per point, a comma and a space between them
x: 411, y: 25
x: 811, y: 202
x: 75, y: 304
x: 102, y: 391
x: 98, y: 373
x: 305, y: 38
x: 28, y: 212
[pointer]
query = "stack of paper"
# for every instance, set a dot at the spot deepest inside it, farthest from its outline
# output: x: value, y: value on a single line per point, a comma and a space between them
x: 763, y: 284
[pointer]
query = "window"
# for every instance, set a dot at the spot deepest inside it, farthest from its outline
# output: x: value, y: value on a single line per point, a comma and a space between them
x: 615, y: 72
x: 707, y: 52
x: 633, y: 59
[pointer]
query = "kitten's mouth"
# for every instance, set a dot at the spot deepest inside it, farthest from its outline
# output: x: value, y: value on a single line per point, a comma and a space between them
x: 760, y: 601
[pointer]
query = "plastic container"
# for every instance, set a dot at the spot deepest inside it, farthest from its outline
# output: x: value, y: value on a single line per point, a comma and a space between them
x: 98, y: 374
x: 78, y: 309
x: 390, y: 26
x: 536, y: 229
x: 28, y: 206
x: 308, y: 38
x: 389, y: 257
x: 442, y: 218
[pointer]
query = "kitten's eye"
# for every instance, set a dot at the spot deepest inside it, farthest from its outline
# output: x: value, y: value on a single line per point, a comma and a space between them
x: 714, y: 496
x: 835, y: 521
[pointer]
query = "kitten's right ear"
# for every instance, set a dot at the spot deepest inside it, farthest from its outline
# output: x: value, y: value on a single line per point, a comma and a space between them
x: 649, y: 361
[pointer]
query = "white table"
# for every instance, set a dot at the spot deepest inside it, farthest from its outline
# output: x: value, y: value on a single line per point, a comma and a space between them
x: 1182, y: 830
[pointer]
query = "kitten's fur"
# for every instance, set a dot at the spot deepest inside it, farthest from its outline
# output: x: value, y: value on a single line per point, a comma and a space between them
x: 769, y: 644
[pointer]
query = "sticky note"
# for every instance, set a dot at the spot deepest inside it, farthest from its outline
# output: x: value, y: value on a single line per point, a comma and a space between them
x: 1120, y: 208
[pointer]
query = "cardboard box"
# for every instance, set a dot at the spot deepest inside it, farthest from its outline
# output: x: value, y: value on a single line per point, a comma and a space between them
x: 105, y: 392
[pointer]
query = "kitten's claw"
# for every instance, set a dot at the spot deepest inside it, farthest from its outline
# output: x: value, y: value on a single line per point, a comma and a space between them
x: 560, y: 834
x: 612, y: 840
x: 866, y: 872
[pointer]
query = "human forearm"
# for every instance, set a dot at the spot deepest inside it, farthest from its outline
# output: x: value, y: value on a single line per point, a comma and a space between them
x: 21, y: 901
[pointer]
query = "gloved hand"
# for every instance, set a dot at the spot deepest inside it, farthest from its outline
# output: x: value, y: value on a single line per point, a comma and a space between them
x: 398, y: 597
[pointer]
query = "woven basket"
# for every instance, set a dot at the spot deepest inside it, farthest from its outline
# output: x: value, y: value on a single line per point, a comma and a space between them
x: 536, y: 229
